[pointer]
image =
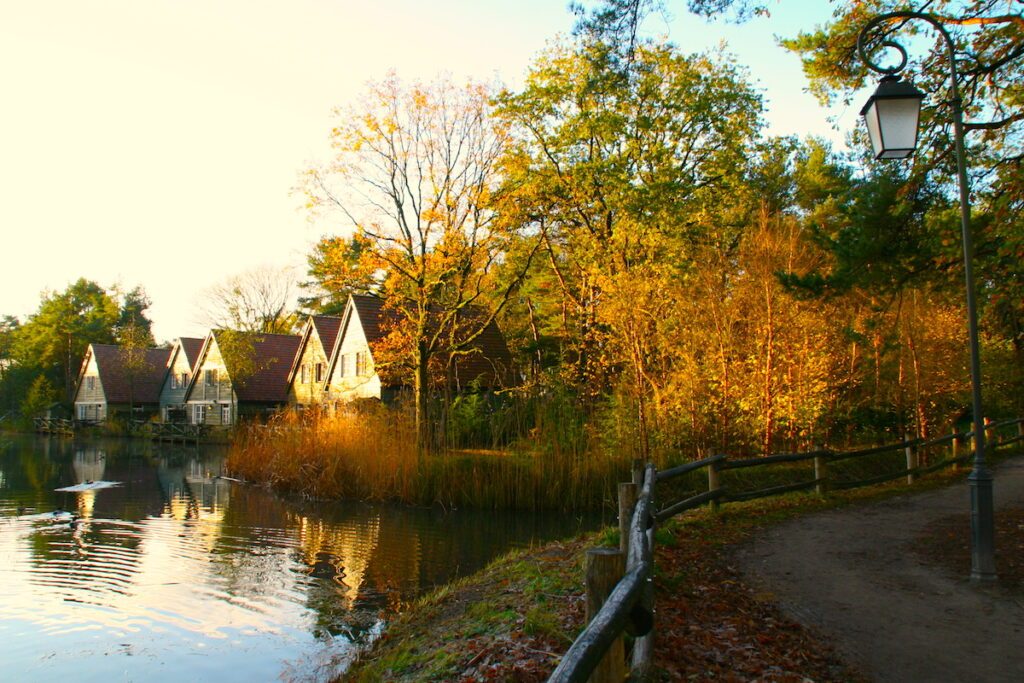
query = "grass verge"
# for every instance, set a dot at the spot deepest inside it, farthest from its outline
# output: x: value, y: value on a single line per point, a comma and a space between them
x: 514, y: 620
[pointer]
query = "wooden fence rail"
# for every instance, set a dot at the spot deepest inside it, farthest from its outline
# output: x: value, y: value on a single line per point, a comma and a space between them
x: 628, y: 608
x: 53, y: 425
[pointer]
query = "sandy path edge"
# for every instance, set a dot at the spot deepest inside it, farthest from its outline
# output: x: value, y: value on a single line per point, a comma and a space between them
x: 851, y: 575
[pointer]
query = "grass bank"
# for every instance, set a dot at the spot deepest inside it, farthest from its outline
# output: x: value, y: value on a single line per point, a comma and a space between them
x: 514, y: 620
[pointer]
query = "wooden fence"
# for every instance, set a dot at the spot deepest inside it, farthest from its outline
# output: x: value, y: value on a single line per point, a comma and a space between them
x: 624, y: 604
x: 170, y: 431
x: 159, y: 431
x: 53, y: 425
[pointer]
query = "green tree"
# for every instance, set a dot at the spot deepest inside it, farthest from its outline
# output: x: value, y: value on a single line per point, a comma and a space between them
x: 53, y: 340
x: 338, y: 266
x: 10, y: 387
x: 133, y: 325
x: 623, y: 170
x: 40, y: 396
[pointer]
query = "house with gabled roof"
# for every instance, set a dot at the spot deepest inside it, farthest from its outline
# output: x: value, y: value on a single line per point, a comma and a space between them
x: 117, y: 381
x: 180, y: 365
x: 365, y: 322
x: 307, y: 378
x: 240, y: 374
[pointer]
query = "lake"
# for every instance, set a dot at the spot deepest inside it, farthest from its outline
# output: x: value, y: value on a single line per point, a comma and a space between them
x: 177, y: 573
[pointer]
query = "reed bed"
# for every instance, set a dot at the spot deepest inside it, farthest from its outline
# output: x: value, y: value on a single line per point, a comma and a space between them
x: 370, y: 454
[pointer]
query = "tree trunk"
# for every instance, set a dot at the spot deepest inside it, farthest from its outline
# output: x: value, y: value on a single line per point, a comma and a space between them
x: 420, y: 385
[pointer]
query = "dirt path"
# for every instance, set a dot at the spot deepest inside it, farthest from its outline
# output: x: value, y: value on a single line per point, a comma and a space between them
x: 853, y: 576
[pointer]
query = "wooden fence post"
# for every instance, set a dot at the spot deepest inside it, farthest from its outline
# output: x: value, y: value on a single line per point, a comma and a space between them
x: 991, y: 438
x: 911, y: 451
x: 956, y: 443
x: 714, y: 482
x: 638, y: 472
x: 820, y: 475
x: 627, y: 502
x: 974, y: 440
x: 605, y: 567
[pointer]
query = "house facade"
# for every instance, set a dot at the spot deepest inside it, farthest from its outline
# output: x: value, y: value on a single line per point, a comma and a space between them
x: 351, y: 374
x: 307, y: 381
x: 240, y: 374
x: 183, y: 357
x: 486, y: 364
x: 115, y: 381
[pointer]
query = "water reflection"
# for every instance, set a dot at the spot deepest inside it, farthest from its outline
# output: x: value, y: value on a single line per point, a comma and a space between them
x: 178, y: 572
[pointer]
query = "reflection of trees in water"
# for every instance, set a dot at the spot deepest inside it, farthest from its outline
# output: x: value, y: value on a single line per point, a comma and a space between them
x: 29, y: 471
x: 349, y: 563
x: 364, y: 560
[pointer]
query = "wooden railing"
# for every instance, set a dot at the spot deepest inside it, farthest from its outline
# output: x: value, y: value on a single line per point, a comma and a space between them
x: 172, y: 431
x: 53, y: 425
x: 626, y: 605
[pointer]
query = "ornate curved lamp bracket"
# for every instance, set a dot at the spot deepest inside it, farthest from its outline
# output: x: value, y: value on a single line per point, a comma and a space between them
x: 888, y: 43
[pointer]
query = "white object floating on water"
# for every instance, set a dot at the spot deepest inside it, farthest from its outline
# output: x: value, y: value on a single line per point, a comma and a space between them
x: 55, y: 516
x: 90, y: 486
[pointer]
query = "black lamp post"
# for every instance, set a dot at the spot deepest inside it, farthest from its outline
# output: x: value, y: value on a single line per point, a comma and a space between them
x: 892, y: 116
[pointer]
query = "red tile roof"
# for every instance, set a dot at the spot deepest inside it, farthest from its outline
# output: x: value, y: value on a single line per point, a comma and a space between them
x: 122, y: 384
x: 273, y: 357
x: 327, y: 328
x: 191, y: 347
x: 489, y: 360
x: 370, y: 310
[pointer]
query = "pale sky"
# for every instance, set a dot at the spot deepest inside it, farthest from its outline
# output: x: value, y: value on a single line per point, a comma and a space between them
x: 155, y: 142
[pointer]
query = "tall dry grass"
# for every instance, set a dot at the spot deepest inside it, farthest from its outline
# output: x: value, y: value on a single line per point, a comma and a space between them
x: 369, y: 453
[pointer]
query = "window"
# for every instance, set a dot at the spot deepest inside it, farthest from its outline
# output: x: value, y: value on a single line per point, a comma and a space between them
x: 199, y: 414
x: 319, y: 372
x: 304, y: 374
x: 90, y: 383
x: 211, y: 378
x: 345, y: 369
x: 175, y: 384
x: 184, y: 379
x: 81, y: 411
x: 225, y: 414
x: 360, y: 363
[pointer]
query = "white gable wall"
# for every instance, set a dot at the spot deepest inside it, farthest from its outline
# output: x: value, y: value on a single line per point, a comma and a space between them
x: 345, y: 383
x: 90, y: 401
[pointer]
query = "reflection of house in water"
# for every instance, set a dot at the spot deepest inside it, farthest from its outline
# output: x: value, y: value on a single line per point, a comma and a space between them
x: 193, y: 493
x: 192, y: 487
x: 346, y: 549
x: 89, y: 464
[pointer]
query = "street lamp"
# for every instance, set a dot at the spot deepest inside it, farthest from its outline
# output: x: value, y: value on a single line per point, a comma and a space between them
x: 889, y: 115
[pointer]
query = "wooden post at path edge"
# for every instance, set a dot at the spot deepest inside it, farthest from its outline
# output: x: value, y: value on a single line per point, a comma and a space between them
x: 820, y: 475
x: 957, y: 442
x: 714, y: 483
x: 912, y: 461
x: 627, y: 503
x: 605, y: 567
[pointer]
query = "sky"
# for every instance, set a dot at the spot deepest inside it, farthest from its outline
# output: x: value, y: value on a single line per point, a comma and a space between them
x: 157, y: 142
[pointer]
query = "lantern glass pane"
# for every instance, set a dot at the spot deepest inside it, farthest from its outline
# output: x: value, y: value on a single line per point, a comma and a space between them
x: 898, y: 122
x: 871, y: 119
